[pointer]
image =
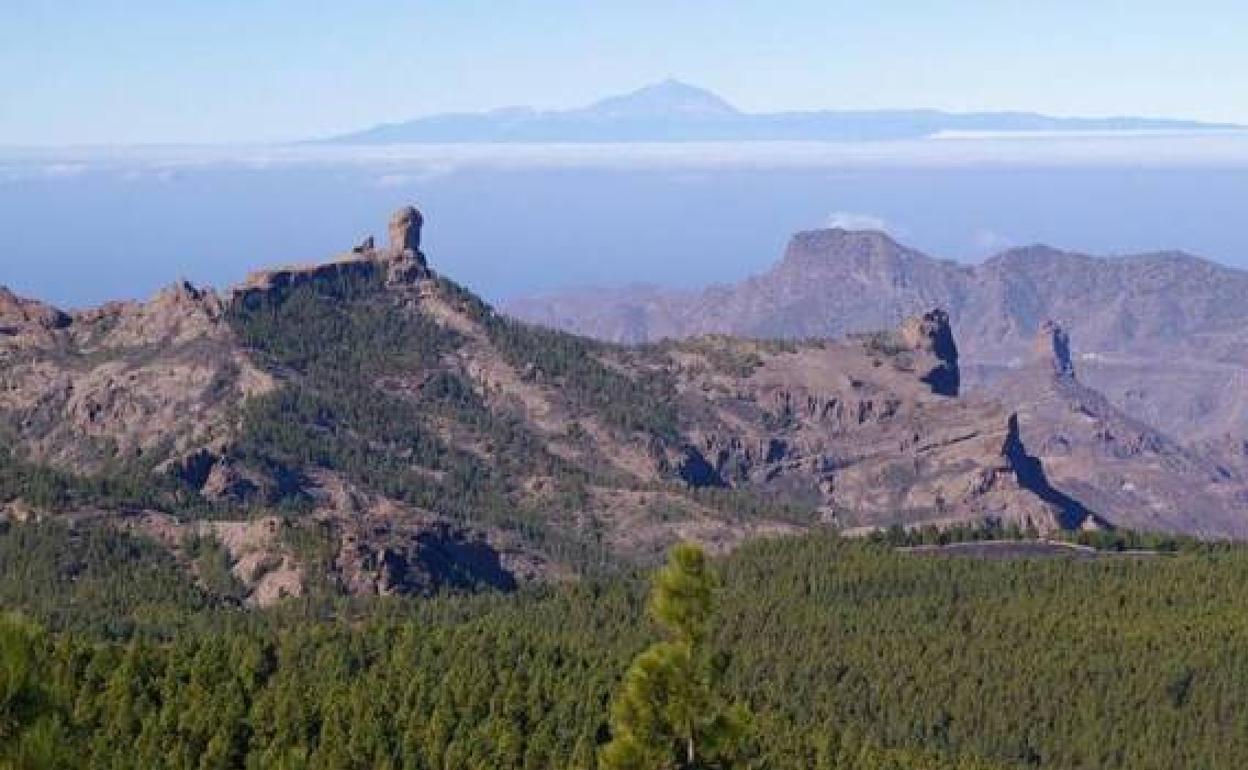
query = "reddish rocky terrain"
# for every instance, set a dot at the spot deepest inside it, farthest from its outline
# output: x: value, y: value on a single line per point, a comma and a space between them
x: 367, y: 425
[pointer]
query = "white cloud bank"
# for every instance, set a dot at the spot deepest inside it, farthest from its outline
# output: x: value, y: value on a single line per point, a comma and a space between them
x: 850, y: 220
x: 417, y: 162
x: 990, y: 241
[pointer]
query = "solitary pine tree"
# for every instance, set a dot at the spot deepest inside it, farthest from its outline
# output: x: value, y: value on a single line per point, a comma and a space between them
x: 667, y: 715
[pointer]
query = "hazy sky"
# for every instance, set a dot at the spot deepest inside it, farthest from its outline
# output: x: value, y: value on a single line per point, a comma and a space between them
x: 129, y: 71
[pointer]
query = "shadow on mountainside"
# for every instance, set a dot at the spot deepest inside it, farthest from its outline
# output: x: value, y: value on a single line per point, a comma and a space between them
x: 1031, y: 476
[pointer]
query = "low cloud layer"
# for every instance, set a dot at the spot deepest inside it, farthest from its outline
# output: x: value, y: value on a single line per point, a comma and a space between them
x: 401, y: 163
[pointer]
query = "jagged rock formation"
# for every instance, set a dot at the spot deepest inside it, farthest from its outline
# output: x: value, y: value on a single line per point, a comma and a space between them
x: 401, y: 263
x: 1121, y: 468
x: 19, y: 315
x: 1160, y: 334
x: 125, y: 380
x: 425, y: 441
x: 860, y: 430
x: 932, y: 335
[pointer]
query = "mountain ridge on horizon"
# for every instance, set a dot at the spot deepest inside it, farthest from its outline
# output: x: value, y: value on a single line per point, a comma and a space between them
x: 672, y: 110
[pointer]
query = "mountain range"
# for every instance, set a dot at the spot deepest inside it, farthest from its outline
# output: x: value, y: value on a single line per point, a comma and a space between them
x: 672, y: 111
x: 1161, y: 334
x: 365, y: 425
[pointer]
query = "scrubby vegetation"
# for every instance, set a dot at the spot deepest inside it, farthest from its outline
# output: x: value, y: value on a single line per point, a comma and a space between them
x: 643, y: 404
x: 118, y: 486
x: 367, y: 397
x: 368, y: 393
x: 848, y: 655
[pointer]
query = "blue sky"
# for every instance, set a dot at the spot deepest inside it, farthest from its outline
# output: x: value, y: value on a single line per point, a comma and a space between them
x: 136, y: 71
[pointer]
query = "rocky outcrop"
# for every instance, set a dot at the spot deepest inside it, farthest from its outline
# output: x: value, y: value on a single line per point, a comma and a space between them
x: 852, y: 429
x: 405, y: 227
x: 18, y: 312
x: 221, y: 479
x: 177, y: 315
x: 256, y: 552
x: 407, y: 264
x: 1051, y: 351
x: 127, y: 381
x: 1029, y: 474
x: 930, y: 335
x: 383, y: 547
x: 25, y: 322
x: 419, y: 557
x: 1129, y: 473
x: 361, y: 266
x: 402, y: 263
x: 869, y: 432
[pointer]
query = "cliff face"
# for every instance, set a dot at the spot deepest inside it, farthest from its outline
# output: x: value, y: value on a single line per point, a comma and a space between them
x: 425, y: 440
x: 1124, y: 469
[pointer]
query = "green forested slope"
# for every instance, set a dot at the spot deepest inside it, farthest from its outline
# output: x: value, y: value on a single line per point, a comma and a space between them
x: 849, y: 655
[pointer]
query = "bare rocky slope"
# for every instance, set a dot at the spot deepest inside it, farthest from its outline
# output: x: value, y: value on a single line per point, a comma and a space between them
x: 367, y: 426
x: 1161, y: 335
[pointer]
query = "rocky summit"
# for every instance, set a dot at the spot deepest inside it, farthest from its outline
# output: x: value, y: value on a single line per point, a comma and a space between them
x: 368, y: 425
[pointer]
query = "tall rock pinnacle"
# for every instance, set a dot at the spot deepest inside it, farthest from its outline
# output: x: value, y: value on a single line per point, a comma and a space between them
x: 406, y: 262
x: 931, y: 334
x: 1051, y: 350
x: 405, y: 230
